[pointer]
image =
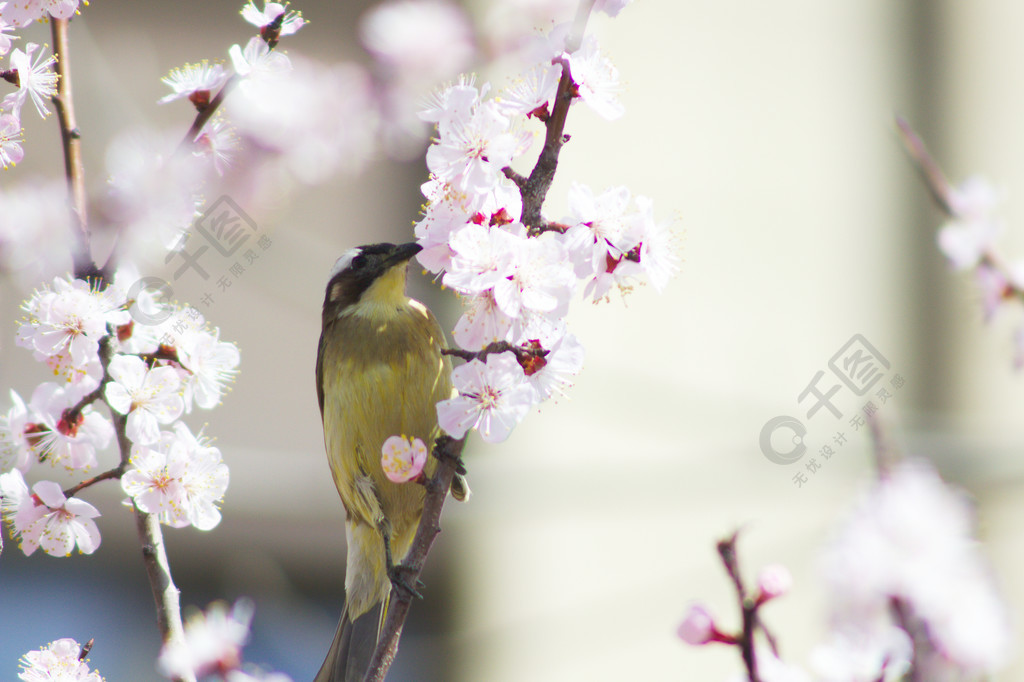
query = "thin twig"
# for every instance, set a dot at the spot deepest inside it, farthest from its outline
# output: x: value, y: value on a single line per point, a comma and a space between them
x: 933, y: 176
x: 448, y: 452
x: 81, y: 255
x: 116, y: 472
x: 522, y: 353
x: 748, y: 607
x: 206, y: 113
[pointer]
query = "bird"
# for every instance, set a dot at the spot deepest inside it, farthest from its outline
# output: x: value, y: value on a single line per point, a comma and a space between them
x: 380, y: 372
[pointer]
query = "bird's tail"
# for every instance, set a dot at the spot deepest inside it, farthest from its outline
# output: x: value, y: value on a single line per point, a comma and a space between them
x: 349, y: 657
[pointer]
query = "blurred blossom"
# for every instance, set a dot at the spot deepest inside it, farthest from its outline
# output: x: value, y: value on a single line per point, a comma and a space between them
x: 771, y: 669
x: 33, y: 215
x: 212, y: 643
x: 418, y: 42
x: 494, y: 398
x: 773, y: 581
x: 36, y: 80
x: 11, y: 152
x: 911, y: 539
x: 881, y: 654
x: 318, y: 119
x: 972, y: 229
x: 218, y: 143
x: 611, y: 7
x: 5, y: 27
x: 58, y: 661
x: 291, y: 23
x: 403, y: 458
x: 209, y: 364
x: 15, y: 436
x: 698, y: 627
x: 153, y: 193
x: 512, y: 24
x: 257, y: 62
x: 24, y: 12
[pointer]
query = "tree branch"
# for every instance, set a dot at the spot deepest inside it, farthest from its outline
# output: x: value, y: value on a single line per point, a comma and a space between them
x: 748, y: 608
x: 534, y: 189
x: 81, y: 255
x: 448, y: 452
x: 206, y: 113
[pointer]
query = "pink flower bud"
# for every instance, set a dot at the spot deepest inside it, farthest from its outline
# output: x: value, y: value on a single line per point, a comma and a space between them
x: 773, y: 581
x: 698, y: 627
x: 403, y: 458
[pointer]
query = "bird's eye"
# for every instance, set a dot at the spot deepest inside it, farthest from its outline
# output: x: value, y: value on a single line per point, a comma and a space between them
x: 359, y: 261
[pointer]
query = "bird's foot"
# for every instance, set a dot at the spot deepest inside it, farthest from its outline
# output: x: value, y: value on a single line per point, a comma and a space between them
x: 450, y: 450
x: 400, y: 575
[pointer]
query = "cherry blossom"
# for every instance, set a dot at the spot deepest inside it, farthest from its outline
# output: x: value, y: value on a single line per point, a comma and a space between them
x: 540, y: 277
x: 596, y: 78
x: 61, y: 437
x: 403, y: 458
x: 493, y: 398
x: 482, y: 258
x: 154, y: 479
x: 149, y: 397
x: 212, y: 644
x: 555, y: 373
x: 47, y: 519
x: 66, y: 323
x: 11, y: 151
x: 531, y: 91
x: 205, y: 480
x: 482, y: 323
x: 210, y: 364
x: 291, y: 23
x: 35, y: 80
x: 475, y: 141
x: 59, y: 661
x: 258, y: 60
x: 194, y: 81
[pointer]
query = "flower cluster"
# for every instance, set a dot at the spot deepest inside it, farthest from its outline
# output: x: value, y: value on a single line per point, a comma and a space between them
x: 150, y: 363
x: 517, y: 279
x: 63, y: 659
x: 213, y: 646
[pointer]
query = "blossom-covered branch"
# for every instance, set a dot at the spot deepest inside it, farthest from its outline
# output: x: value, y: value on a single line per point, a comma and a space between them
x: 968, y: 237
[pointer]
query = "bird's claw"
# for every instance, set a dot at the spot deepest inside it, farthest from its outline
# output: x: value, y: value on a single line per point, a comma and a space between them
x: 400, y: 582
x: 443, y: 450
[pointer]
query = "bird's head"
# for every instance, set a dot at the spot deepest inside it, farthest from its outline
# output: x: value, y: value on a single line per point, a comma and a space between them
x: 367, y: 278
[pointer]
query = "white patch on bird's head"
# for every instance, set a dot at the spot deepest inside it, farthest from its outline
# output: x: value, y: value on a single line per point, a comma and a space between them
x: 345, y: 261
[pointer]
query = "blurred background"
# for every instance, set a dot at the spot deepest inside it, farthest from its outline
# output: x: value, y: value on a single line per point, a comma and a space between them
x: 764, y: 131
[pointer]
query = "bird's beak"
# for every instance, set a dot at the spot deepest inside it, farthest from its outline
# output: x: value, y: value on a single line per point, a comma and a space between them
x: 401, y: 254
